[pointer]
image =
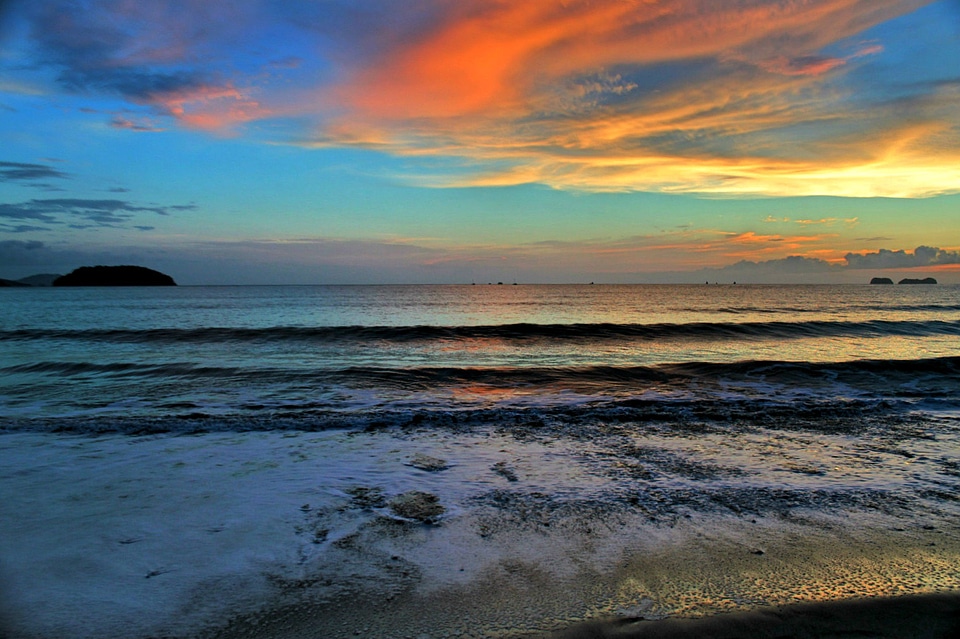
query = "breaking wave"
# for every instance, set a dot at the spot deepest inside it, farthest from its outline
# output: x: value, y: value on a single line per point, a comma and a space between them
x: 505, y: 332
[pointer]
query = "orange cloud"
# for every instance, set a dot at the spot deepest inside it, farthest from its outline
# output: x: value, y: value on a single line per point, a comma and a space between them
x: 804, y: 65
x: 484, y: 56
x: 815, y: 64
x: 210, y: 107
x: 576, y: 95
x: 725, y: 98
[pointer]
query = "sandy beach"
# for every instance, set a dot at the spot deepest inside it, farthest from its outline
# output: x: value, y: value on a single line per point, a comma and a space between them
x: 709, y: 579
x: 282, y: 535
x: 915, y: 616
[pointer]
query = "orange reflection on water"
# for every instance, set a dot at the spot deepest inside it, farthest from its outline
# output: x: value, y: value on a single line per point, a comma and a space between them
x: 473, y: 345
x: 475, y: 391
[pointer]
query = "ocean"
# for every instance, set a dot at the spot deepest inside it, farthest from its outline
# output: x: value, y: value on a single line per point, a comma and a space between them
x: 222, y: 452
x: 330, y: 357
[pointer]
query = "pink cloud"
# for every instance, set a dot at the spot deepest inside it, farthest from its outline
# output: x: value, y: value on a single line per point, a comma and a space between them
x: 816, y: 64
x: 209, y: 106
x: 804, y: 65
x: 872, y: 49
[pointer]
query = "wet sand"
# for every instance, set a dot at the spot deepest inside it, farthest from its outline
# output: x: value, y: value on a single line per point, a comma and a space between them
x: 808, y: 581
x: 934, y: 616
x: 295, y: 535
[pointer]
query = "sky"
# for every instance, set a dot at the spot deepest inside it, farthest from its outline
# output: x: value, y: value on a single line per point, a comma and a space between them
x: 436, y: 141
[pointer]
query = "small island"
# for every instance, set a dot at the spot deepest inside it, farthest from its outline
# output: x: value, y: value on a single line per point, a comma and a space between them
x: 926, y: 280
x: 881, y: 280
x: 114, y: 276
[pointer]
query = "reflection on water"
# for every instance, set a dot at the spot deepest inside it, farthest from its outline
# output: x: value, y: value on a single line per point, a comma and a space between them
x: 69, y: 351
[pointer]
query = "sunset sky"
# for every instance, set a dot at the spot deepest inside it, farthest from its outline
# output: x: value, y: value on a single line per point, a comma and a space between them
x: 366, y: 141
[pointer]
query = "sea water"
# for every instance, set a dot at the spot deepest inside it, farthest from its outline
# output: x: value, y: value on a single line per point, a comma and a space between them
x: 172, y: 458
x: 389, y: 352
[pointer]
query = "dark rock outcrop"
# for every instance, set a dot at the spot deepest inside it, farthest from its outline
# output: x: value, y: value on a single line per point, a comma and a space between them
x: 926, y: 280
x: 881, y: 280
x: 114, y: 276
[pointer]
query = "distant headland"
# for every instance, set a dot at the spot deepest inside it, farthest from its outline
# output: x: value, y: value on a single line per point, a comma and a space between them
x: 114, y: 276
x: 906, y: 280
x: 42, y: 279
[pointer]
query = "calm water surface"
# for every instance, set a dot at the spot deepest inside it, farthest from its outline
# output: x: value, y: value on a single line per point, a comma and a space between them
x: 256, y: 351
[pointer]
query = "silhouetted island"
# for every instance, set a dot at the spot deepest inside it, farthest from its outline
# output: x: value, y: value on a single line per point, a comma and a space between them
x: 926, y: 280
x: 114, y: 276
x: 881, y: 280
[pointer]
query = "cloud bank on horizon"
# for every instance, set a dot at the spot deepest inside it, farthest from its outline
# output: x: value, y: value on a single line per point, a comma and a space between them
x: 752, y: 98
x: 308, y: 261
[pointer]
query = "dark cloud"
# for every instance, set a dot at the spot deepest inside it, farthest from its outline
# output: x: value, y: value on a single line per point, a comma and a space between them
x: 49, y: 188
x: 97, y: 55
x: 289, y: 62
x: 921, y: 256
x: 19, y: 258
x: 26, y: 172
x: 133, y: 84
x: 69, y: 33
x: 794, y: 264
x: 119, y: 122
x: 19, y: 252
x: 881, y: 259
x: 874, y: 240
x: 22, y: 228
x: 804, y: 269
x: 83, y: 213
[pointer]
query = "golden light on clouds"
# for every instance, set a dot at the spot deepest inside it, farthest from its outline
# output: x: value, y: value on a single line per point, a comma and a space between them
x: 728, y: 99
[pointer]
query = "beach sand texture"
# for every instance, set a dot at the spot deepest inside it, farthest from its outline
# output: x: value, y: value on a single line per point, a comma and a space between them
x: 314, y: 535
x: 706, y: 578
x: 917, y: 617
